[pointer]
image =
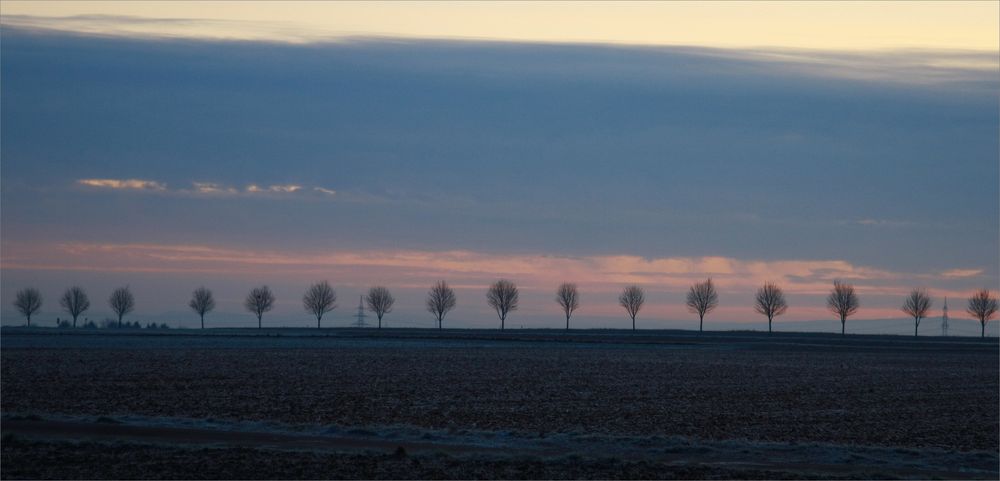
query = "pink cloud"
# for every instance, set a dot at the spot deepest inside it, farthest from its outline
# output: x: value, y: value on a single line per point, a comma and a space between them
x: 274, y: 189
x: 953, y: 273
x: 211, y: 189
x: 806, y: 282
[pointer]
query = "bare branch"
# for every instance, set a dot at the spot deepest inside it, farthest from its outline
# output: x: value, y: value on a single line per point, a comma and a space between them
x: 982, y: 306
x: 380, y: 302
x: 770, y: 302
x: 568, y: 297
x: 74, y: 301
x: 502, y: 297
x: 842, y: 301
x: 319, y: 299
x: 440, y: 300
x: 28, y: 302
x: 122, y: 302
x: 259, y: 301
x: 702, y: 299
x: 632, y: 298
x: 202, y: 302
x: 917, y: 305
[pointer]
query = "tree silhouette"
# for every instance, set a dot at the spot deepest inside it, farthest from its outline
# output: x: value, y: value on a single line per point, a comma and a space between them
x: 122, y: 302
x: 259, y: 301
x: 74, y: 301
x: 569, y: 299
x: 770, y: 301
x: 502, y: 297
x: 842, y: 301
x: 440, y: 300
x: 632, y: 299
x: 982, y: 306
x: 917, y: 305
x: 202, y: 302
x: 380, y: 302
x: 702, y: 299
x: 320, y: 299
x: 28, y: 301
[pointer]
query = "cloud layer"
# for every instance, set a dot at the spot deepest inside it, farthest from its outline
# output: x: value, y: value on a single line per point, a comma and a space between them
x: 535, y: 272
x: 469, y: 160
x: 206, y: 188
x: 872, y: 26
x: 123, y: 184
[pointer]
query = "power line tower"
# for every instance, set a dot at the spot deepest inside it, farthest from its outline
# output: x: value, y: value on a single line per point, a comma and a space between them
x: 360, y: 322
x: 944, y: 318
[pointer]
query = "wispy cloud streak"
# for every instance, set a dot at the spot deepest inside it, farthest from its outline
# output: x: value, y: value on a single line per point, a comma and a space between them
x: 205, y: 188
x: 538, y: 272
x: 213, y: 188
x: 288, y: 188
x: 962, y: 273
x: 124, y: 184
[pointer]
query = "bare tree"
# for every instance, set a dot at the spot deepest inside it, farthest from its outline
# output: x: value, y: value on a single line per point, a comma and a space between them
x: 917, y: 305
x: 259, y: 301
x: 122, y: 302
x: 440, y: 300
x: 632, y: 299
x: 842, y: 301
x: 320, y: 299
x: 380, y: 302
x: 770, y: 301
x: 28, y: 302
x: 502, y: 297
x: 569, y: 299
x: 982, y: 306
x: 702, y: 299
x: 74, y: 301
x: 202, y: 302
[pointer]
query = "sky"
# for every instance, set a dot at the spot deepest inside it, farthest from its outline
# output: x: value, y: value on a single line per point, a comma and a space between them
x: 168, y: 145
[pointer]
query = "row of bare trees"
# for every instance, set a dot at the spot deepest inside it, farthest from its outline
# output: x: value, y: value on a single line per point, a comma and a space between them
x: 842, y: 301
x: 502, y: 296
x: 74, y: 301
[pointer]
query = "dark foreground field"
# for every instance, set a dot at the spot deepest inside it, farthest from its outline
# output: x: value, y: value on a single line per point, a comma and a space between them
x: 472, y: 404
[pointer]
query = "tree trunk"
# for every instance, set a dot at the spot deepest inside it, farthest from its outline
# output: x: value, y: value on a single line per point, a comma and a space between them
x: 74, y: 321
x: 501, y: 323
x: 916, y: 325
x: 29, y: 319
x: 982, y: 329
x: 317, y: 323
x: 567, y: 322
x: 202, y: 321
x: 842, y: 322
x: 633, y: 323
x: 439, y: 323
x: 768, y: 325
x: 380, y: 322
x: 259, y: 325
x: 701, y: 322
x: 119, y: 321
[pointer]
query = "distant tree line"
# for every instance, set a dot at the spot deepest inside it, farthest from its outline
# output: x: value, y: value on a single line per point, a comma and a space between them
x: 502, y: 296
